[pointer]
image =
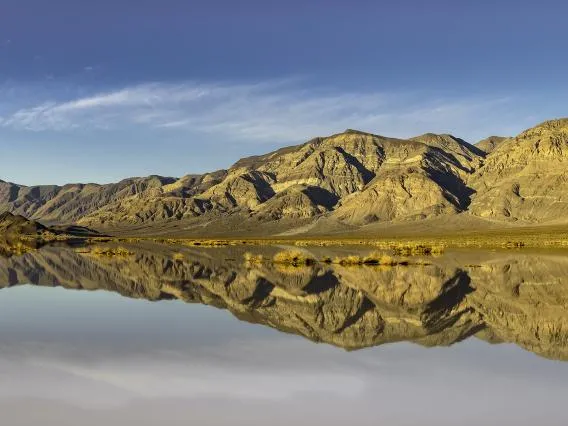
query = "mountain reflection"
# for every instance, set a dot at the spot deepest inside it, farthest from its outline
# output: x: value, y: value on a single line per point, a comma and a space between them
x: 518, y: 297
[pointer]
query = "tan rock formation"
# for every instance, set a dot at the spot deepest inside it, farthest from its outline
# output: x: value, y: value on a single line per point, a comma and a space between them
x: 347, y: 180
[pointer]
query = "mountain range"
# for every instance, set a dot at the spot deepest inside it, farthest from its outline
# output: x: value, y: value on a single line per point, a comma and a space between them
x: 348, y: 182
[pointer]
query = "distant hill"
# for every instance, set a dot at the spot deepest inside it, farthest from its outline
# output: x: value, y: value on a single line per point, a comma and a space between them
x: 340, y: 183
x: 525, y: 179
x: 489, y: 144
x: 11, y: 224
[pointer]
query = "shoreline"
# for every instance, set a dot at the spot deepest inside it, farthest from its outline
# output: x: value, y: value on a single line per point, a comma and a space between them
x: 477, y: 241
x: 490, y: 239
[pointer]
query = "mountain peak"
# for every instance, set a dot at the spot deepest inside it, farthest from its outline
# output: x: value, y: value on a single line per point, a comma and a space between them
x: 357, y: 132
x: 449, y: 143
x: 557, y: 125
x: 352, y: 178
x: 489, y: 144
x: 437, y: 137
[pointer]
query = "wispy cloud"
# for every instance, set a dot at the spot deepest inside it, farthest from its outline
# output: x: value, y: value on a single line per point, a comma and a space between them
x: 275, y: 110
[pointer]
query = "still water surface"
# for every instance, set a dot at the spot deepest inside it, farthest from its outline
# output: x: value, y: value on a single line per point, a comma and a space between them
x: 177, y: 336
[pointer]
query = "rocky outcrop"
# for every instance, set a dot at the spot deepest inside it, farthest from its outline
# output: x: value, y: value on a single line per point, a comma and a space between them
x: 347, y: 180
x: 69, y: 203
x: 488, y: 145
x: 353, y: 177
x: 525, y: 179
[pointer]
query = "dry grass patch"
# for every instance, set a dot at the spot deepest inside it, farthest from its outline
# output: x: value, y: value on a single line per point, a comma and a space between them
x: 251, y: 258
x: 382, y: 259
x: 418, y: 250
x: 17, y: 248
x: 513, y: 244
x: 377, y: 259
x: 293, y: 257
x: 349, y: 260
x: 111, y: 251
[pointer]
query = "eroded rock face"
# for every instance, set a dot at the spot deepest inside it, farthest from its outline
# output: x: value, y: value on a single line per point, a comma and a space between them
x: 521, y: 299
x: 69, y: 203
x: 347, y: 180
x: 392, y: 179
x: 488, y: 145
x: 525, y: 178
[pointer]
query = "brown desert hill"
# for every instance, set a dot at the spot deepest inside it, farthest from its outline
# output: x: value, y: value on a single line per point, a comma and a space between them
x: 525, y: 179
x: 468, y: 156
x: 416, y: 180
x: 68, y: 203
x: 339, y: 183
x: 15, y: 225
x: 353, y: 177
x: 489, y: 144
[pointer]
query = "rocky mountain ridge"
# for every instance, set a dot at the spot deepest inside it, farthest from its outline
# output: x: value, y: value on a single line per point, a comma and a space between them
x: 341, y: 182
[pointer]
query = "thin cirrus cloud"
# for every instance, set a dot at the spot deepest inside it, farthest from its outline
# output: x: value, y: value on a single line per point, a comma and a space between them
x: 276, y: 111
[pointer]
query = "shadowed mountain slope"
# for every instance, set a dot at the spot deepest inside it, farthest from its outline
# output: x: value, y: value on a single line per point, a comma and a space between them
x: 525, y: 178
x: 489, y: 144
x: 340, y: 182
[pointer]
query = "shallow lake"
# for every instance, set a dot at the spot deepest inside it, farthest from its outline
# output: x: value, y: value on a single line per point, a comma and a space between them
x: 179, y: 335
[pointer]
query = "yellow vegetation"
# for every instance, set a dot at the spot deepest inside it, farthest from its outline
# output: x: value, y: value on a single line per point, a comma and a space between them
x: 16, y: 248
x: 374, y: 258
x: 513, y: 244
x: 291, y: 269
x: 419, y: 245
x: 111, y: 251
x: 417, y: 249
x: 293, y: 257
x: 251, y: 258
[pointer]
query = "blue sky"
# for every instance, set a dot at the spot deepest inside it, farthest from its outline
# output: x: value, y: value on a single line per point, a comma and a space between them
x: 98, y: 91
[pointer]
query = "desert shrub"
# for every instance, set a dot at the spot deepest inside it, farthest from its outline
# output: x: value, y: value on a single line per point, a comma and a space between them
x: 251, y: 258
x: 381, y: 259
x: 293, y: 257
x: 375, y: 258
x: 178, y: 256
x: 349, y: 260
x: 17, y: 248
x: 514, y: 244
x: 111, y: 251
x: 417, y: 250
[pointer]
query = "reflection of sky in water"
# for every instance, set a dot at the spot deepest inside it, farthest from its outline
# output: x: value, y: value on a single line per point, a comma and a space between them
x: 78, y: 358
